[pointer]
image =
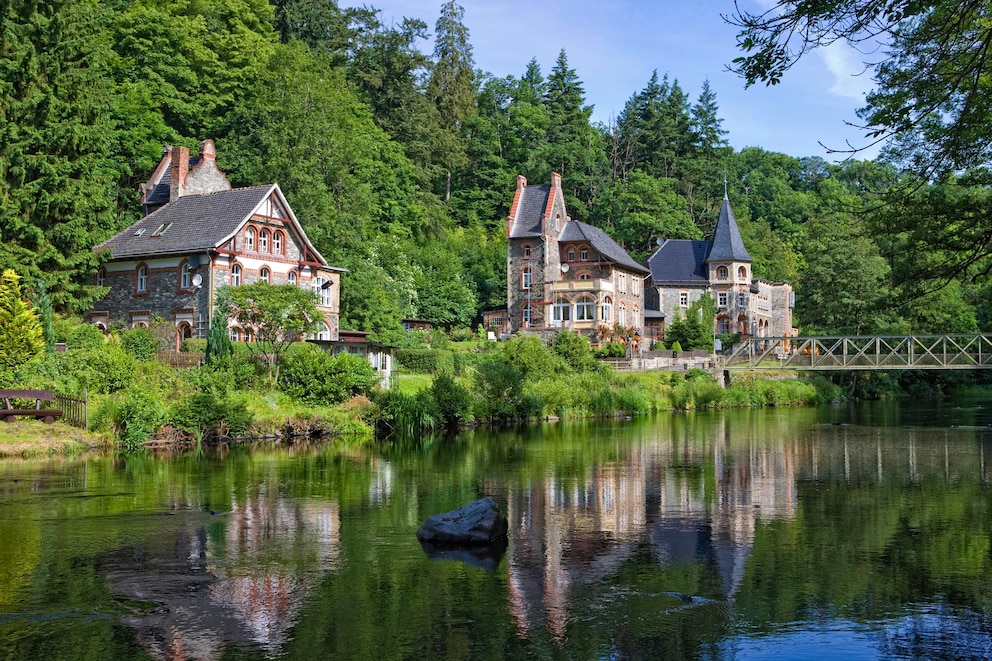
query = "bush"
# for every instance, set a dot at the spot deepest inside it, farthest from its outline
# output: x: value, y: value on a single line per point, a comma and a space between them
x: 104, y: 370
x: 316, y: 377
x: 499, y: 390
x: 454, y: 402
x: 465, y: 361
x: 612, y: 350
x: 81, y: 336
x: 193, y: 345
x: 408, y: 414
x: 203, y: 413
x: 676, y: 346
x: 140, y: 343
x: 426, y: 361
x: 139, y: 416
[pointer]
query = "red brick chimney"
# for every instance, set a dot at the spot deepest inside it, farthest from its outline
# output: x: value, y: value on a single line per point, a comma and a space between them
x: 521, y: 181
x: 555, y: 180
x: 178, y: 169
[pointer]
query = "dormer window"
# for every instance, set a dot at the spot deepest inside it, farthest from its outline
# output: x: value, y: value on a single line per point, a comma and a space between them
x: 162, y: 229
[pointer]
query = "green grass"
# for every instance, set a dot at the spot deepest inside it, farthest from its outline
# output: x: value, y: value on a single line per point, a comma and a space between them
x: 410, y: 384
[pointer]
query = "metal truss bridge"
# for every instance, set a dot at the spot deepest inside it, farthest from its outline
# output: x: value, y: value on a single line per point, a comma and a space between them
x: 874, y: 352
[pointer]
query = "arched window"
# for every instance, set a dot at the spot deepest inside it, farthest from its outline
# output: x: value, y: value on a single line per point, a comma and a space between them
x: 562, y: 311
x: 636, y: 321
x: 585, y: 276
x: 263, y: 241
x: 526, y: 251
x: 722, y: 273
x: 236, y: 275
x: 742, y: 273
x: 142, y: 279
x: 526, y: 276
x: 277, y: 243
x: 235, y: 333
x: 323, y: 332
x: 248, y: 335
x: 585, y: 309
x: 101, y: 277
x: 249, y: 239
x: 622, y: 314
x: 264, y: 275
x: 606, y: 309
x: 292, y: 278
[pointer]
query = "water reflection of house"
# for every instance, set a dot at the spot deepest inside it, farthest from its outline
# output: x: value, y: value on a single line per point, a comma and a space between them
x: 235, y: 589
x: 379, y: 356
x: 582, y: 530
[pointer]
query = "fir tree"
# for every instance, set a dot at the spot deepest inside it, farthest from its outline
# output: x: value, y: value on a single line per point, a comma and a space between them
x: 21, y: 337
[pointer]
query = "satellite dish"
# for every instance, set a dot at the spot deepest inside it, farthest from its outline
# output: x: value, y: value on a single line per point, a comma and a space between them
x: 564, y: 268
x: 197, y: 280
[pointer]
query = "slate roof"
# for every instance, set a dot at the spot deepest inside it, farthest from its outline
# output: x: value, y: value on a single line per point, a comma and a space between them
x: 533, y: 201
x: 727, y: 242
x: 680, y: 262
x: 576, y: 230
x: 199, y: 222
x: 160, y: 193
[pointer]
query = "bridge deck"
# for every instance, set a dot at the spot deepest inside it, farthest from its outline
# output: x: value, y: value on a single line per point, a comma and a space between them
x: 864, y: 352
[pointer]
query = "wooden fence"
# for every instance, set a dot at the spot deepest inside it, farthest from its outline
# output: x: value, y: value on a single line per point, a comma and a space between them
x: 182, y: 360
x: 74, y: 410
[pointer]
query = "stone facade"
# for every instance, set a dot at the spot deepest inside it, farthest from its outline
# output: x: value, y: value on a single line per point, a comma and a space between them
x: 563, y: 273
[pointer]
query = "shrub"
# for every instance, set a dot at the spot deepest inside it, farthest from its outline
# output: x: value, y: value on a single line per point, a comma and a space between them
x: 194, y: 345
x: 676, y: 346
x: 316, y: 377
x: 205, y: 412
x: 464, y: 362
x: 84, y: 336
x: 426, y: 361
x: 574, y: 349
x: 106, y: 369
x: 453, y: 400
x: 612, y: 350
x: 140, y: 415
x: 408, y: 414
x: 140, y: 343
x: 498, y: 386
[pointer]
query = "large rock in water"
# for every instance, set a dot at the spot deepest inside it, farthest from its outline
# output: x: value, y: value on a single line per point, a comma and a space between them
x: 479, y: 522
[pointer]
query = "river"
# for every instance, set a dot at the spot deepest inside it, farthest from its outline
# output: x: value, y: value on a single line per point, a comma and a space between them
x: 846, y: 532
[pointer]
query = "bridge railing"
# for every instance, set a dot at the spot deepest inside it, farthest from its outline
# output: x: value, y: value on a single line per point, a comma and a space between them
x: 862, y: 352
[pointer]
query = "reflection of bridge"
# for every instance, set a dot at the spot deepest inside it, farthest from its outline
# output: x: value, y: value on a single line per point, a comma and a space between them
x: 876, y: 352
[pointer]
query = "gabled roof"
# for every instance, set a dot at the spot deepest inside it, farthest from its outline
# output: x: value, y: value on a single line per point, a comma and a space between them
x: 727, y: 242
x: 680, y: 262
x: 530, y: 211
x: 197, y: 223
x: 576, y: 230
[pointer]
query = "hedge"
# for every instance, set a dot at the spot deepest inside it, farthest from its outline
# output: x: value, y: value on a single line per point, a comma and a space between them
x: 426, y: 361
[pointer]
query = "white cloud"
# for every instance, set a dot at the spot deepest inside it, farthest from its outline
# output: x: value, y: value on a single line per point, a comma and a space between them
x: 847, y: 67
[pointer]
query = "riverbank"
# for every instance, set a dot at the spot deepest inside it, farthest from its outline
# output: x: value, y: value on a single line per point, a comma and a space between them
x: 29, y: 439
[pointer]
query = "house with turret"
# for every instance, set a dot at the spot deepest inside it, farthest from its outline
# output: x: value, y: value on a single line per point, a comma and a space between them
x: 563, y: 273
x: 682, y: 271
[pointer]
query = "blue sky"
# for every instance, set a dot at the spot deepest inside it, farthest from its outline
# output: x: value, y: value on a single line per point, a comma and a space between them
x: 614, y: 45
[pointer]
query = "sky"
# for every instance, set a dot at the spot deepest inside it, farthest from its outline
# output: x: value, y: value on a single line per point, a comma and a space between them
x: 614, y: 45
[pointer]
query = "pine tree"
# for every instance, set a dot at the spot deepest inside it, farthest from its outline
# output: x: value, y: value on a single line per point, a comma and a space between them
x: 219, y: 344
x: 43, y: 303
x: 21, y: 338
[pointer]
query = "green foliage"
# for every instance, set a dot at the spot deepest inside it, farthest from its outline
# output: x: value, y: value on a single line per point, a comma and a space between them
x: 105, y: 369
x: 218, y: 343
x: 406, y: 413
x: 83, y: 336
x: 453, y: 400
x: 140, y: 343
x: 574, y: 349
x: 21, y: 338
x: 315, y: 376
x: 205, y: 413
x: 43, y: 304
x: 279, y: 315
x: 426, y: 361
x: 612, y: 350
x: 676, y: 346
x: 140, y: 415
x: 498, y: 387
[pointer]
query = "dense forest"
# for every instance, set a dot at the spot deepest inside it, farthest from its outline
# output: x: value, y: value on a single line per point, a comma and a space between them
x: 401, y: 164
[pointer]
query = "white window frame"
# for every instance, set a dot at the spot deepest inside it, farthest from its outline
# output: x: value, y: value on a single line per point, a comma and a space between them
x: 291, y: 278
x: 606, y: 309
x: 683, y: 299
x: 526, y: 278
x: 265, y: 275
x: 142, y: 283
x: 721, y: 299
x: 562, y: 310
x: 277, y: 242
x: 249, y: 239
x: 236, y: 275
x: 263, y: 241
x: 585, y: 309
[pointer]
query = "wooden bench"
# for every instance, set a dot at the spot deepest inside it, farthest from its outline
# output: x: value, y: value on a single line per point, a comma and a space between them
x: 8, y: 412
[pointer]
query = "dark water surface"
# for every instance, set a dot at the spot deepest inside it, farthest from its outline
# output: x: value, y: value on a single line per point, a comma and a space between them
x: 857, y: 532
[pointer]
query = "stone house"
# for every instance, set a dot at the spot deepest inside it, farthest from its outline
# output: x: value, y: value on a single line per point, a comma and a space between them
x: 563, y: 273
x: 682, y: 271
x: 198, y: 234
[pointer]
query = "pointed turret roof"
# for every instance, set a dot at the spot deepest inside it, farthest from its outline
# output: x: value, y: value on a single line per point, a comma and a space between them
x: 728, y: 246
